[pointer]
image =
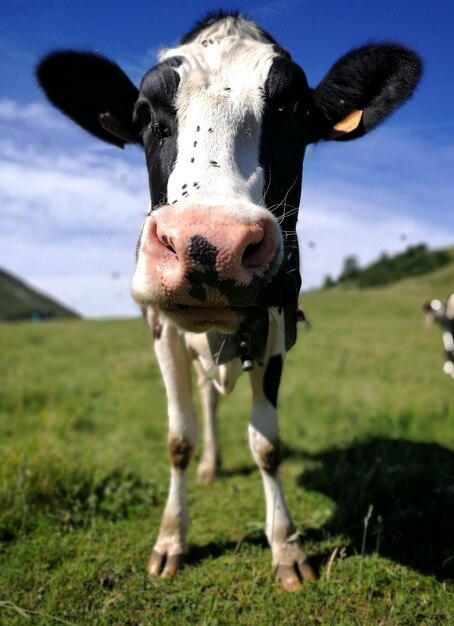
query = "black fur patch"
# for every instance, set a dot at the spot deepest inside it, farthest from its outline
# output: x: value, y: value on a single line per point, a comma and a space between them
x: 203, y: 252
x: 84, y: 85
x: 204, y: 274
x: 287, y: 102
x: 273, y: 378
x: 374, y: 78
x: 155, y: 110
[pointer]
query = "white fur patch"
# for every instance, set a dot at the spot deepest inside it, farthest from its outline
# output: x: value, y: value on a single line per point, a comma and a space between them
x: 435, y: 305
x: 448, y: 341
x: 450, y: 307
x: 219, y: 110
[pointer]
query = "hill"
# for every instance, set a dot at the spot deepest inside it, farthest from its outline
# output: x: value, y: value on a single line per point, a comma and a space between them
x: 414, y: 261
x: 19, y: 301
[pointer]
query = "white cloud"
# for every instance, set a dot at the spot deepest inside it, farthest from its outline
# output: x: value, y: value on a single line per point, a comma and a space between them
x: 70, y: 211
x: 71, y: 207
x: 32, y: 112
x: 378, y: 194
x: 327, y: 236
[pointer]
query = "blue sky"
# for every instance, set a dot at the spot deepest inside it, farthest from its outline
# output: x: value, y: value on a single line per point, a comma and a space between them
x: 71, y: 207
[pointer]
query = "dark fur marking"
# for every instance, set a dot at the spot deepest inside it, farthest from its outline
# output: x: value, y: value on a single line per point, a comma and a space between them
x: 158, y: 90
x: 204, y: 274
x: 373, y: 78
x: 62, y: 75
x: 180, y: 451
x: 272, y: 378
x: 201, y: 251
x: 271, y: 456
x: 285, y: 85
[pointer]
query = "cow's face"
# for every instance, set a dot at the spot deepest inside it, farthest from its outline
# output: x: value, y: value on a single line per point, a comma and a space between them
x: 222, y: 123
x: 224, y: 120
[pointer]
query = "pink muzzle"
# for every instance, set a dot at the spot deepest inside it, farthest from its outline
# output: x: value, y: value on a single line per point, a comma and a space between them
x: 189, y: 254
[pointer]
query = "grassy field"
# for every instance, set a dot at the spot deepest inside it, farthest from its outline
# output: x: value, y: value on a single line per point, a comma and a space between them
x: 367, y: 417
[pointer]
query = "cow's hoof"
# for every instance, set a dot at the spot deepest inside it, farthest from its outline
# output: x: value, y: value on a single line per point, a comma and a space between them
x: 164, y: 565
x: 207, y: 470
x: 206, y: 473
x: 293, y: 567
x: 291, y: 577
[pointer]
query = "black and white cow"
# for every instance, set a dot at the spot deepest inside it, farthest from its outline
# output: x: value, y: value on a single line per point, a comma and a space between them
x: 443, y: 314
x: 224, y: 119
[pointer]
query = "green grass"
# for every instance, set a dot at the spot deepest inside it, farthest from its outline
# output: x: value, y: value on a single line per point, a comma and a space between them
x: 367, y: 417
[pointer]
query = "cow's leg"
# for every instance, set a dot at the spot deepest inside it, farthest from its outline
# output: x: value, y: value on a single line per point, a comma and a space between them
x: 210, y: 459
x: 289, y: 559
x: 448, y: 342
x: 174, y: 362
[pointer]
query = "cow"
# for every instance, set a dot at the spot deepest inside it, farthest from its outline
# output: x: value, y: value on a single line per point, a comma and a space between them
x: 443, y: 314
x: 224, y: 119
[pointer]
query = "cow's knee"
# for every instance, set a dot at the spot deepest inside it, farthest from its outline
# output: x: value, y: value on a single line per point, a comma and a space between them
x: 270, y: 456
x: 267, y: 452
x: 180, y: 451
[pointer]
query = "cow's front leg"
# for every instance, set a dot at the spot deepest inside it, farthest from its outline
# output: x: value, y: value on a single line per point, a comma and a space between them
x: 210, y: 460
x: 170, y: 547
x: 289, y: 558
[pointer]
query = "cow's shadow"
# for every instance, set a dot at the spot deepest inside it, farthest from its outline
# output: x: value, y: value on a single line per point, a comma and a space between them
x: 411, y: 488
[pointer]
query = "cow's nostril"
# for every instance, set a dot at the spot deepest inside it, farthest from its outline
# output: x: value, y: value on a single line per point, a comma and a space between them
x: 252, y: 255
x: 168, y: 245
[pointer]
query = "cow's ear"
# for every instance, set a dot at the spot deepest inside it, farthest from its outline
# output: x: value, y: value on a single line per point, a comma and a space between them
x: 93, y: 91
x: 362, y: 89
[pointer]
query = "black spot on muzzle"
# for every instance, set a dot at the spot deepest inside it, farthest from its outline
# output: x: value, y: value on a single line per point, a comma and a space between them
x: 203, y: 252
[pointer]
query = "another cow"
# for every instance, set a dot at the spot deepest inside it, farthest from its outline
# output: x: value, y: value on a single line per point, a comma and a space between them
x: 224, y: 119
x: 435, y: 310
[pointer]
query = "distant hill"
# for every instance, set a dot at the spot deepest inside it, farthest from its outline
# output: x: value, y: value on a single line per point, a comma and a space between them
x: 414, y: 261
x: 19, y: 301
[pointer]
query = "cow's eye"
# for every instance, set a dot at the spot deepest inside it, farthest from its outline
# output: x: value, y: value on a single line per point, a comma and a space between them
x: 160, y: 130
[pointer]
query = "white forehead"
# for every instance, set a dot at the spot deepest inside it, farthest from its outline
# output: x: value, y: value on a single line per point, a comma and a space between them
x: 224, y: 58
x: 219, y: 107
x: 231, y: 28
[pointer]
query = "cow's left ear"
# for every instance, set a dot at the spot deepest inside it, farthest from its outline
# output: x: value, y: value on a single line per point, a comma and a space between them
x: 93, y: 91
x: 362, y: 89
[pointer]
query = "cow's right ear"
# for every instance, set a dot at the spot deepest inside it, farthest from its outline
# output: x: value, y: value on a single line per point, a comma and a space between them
x: 362, y: 89
x: 93, y: 91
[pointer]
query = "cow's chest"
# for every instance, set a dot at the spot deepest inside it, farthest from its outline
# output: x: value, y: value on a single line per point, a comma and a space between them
x: 224, y: 376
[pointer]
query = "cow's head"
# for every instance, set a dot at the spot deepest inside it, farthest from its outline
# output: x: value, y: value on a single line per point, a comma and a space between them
x: 224, y: 120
